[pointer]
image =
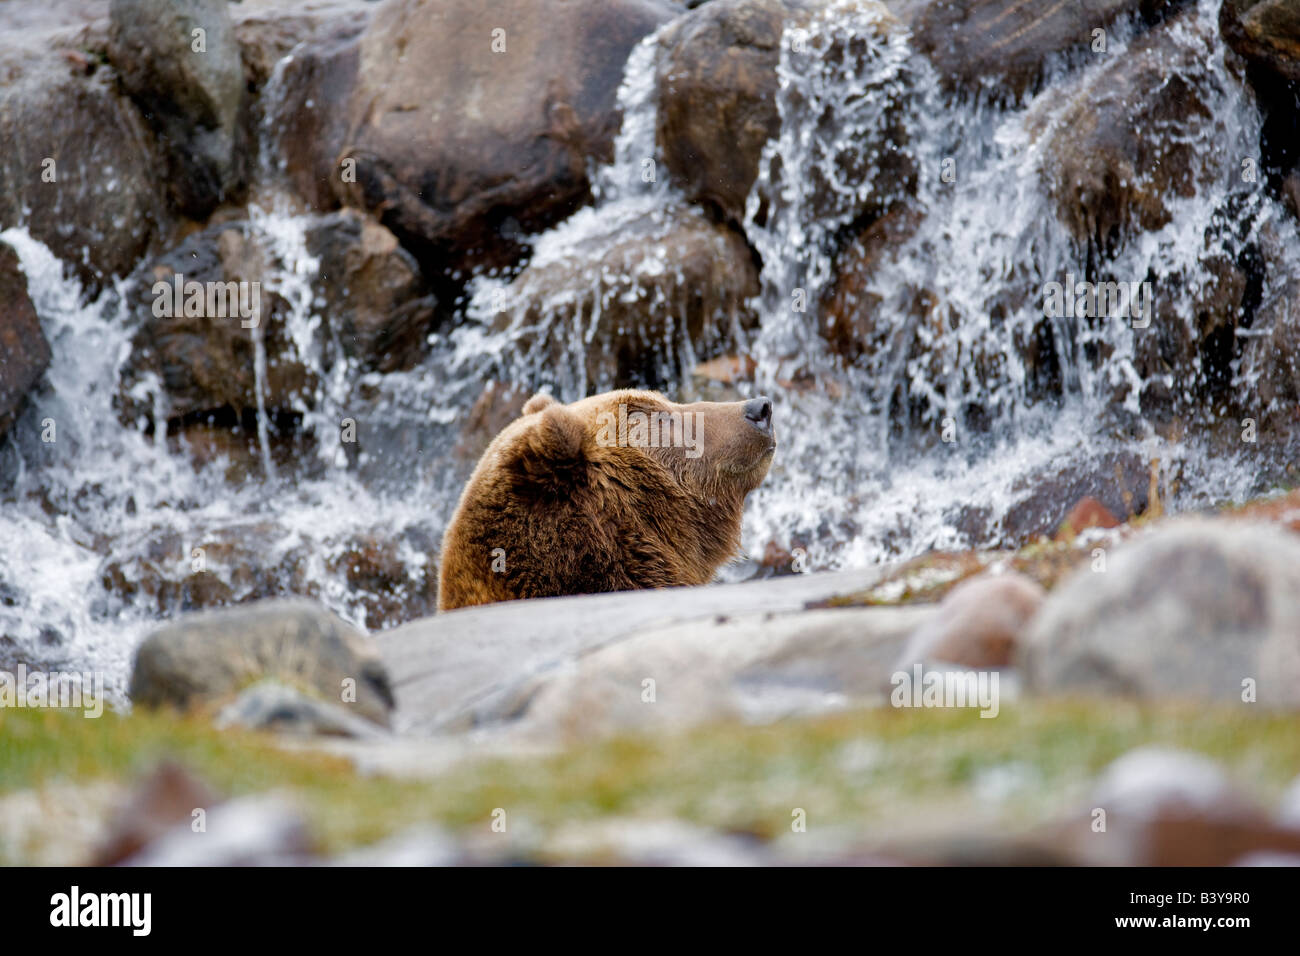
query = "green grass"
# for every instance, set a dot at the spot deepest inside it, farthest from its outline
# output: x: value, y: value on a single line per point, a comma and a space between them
x: 866, y: 770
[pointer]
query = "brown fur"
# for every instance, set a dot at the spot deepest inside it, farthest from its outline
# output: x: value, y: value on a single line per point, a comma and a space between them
x: 577, y: 515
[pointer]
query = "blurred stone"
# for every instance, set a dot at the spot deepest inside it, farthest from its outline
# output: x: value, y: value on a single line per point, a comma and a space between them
x: 1265, y: 32
x: 1087, y: 513
x: 261, y: 830
x: 202, y: 658
x: 1196, y: 610
x: 271, y: 706
x: 165, y: 798
x: 980, y: 623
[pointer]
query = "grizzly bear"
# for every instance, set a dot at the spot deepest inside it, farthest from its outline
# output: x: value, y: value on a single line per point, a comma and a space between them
x: 615, y: 492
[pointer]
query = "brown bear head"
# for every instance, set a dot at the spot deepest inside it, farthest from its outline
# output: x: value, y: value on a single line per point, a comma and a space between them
x: 617, y: 491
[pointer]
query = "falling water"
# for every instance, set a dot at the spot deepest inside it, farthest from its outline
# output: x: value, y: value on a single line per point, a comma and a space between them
x: 109, y: 528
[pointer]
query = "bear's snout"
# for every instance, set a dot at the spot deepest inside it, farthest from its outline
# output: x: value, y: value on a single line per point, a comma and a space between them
x: 759, y: 412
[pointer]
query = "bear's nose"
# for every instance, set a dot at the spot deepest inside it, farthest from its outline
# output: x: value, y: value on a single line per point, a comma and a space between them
x: 759, y: 411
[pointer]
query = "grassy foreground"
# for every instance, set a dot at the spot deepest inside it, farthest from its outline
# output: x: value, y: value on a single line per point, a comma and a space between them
x: 863, y: 772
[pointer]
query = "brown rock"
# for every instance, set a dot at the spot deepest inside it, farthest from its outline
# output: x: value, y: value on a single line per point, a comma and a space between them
x: 455, y: 128
x: 1107, y: 178
x: 1265, y: 32
x: 979, y: 623
x: 1000, y: 48
x: 1088, y: 513
x: 163, y: 799
x: 659, y: 286
x: 24, y: 353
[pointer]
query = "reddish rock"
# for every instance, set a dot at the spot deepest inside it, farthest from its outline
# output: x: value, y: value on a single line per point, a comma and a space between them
x: 979, y: 624
x: 1088, y: 513
x: 165, y: 798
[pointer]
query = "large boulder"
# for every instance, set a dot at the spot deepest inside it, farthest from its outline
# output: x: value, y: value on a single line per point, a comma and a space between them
x: 180, y: 62
x: 24, y: 353
x: 205, y: 659
x: 462, y: 116
x: 1197, y: 610
x: 80, y: 167
x: 626, y: 300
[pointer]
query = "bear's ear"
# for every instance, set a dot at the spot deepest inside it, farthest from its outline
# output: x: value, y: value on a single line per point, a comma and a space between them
x: 550, y: 453
x: 537, y: 403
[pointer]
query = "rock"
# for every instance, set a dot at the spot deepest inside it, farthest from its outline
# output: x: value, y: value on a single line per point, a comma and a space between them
x: 1088, y: 513
x: 201, y: 658
x: 467, y: 667
x: 24, y: 353
x: 850, y: 314
x: 1107, y: 179
x: 1169, y: 808
x: 180, y: 62
x: 627, y: 300
x: 308, y: 123
x: 717, y: 83
x: 1266, y: 33
x: 261, y: 830
x: 1120, y: 481
x: 454, y: 128
x: 272, y: 706
x: 980, y: 623
x: 80, y: 167
x: 383, y: 578
x: 755, y: 666
x: 1199, y: 610
x: 370, y: 291
x: 165, y: 798
x: 1269, y: 361
x: 496, y: 407
x: 1001, y: 49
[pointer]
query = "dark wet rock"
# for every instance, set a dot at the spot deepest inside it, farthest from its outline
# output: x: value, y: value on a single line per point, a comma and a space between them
x: 80, y: 167
x: 1001, y: 49
x: 207, y: 360
x: 717, y: 83
x: 308, y: 121
x: 1266, y: 33
x: 180, y: 62
x: 444, y: 160
x: 24, y: 353
x: 1120, y: 481
x: 852, y: 318
x: 496, y: 407
x: 370, y: 291
x: 375, y: 309
x: 1107, y: 177
x: 1197, y: 610
x: 274, y: 707
x: 716, y: 79
x: 667, y: 283
x: 202, y: 658
x: 386, y: 578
